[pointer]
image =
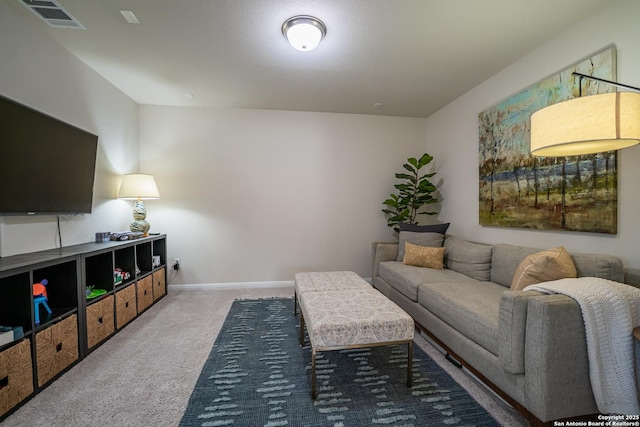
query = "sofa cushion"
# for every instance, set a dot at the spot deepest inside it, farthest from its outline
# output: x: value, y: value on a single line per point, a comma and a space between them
x: 406, y: 279
x: 423, y: 256
x: 599, y: 265
x: 433, y: 240
x: 544, y: 266
x: 505, y: 260
x: 471, y: 259
x: 476, y: 315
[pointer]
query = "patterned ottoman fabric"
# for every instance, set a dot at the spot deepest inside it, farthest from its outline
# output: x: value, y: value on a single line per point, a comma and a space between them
x: 328, y: 281
x: 325, y: 281
x: 353, y: 317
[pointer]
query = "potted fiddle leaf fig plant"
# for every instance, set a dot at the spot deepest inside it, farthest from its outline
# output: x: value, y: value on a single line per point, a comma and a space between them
x: 414, y: 192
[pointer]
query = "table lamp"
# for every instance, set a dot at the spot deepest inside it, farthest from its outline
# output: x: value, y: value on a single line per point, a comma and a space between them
x: 139, y: 187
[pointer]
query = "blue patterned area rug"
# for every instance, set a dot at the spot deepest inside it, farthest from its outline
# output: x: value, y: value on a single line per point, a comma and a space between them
x: 257, y: 375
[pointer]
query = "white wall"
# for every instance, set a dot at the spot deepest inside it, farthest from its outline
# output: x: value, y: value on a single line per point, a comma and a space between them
x: 39, y: 73
x: 257, y: 195
x: 452, y: 136
x: 253, y: 195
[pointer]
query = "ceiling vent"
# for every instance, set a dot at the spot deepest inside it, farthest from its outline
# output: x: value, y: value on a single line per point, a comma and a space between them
x: 53, y: 13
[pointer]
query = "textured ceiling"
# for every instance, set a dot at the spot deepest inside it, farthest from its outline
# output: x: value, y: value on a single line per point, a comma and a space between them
x: 411, y: 56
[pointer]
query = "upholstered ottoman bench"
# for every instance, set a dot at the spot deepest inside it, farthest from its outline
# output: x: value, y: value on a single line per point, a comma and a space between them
x: 325, y: 281
x: 353, y: 318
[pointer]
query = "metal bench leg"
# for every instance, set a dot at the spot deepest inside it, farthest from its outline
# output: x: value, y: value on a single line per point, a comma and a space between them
x: 409, y: 364
x: 301, y: 329
x: 295, y: 303
x: 314, y: 393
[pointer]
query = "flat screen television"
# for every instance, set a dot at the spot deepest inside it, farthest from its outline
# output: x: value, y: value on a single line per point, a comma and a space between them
x: 47, y: 167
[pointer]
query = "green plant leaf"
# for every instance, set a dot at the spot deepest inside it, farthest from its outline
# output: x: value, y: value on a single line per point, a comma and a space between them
x: 404, y: 187
x: 426, y: 187
x: 410, y: 168
x: 424, y: 160
x: 404, y: 201
x: 411, y: 178
x: 413, y: 193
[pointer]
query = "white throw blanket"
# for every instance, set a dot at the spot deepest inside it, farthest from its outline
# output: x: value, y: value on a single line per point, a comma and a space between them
x: 610, y: 311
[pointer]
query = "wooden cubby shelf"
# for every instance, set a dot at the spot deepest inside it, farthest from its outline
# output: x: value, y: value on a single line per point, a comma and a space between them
x: 77, y: 325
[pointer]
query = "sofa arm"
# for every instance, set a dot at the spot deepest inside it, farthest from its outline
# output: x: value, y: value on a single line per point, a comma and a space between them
x: 512, y: 326
x: 383, y: 251
x: 557, y: 381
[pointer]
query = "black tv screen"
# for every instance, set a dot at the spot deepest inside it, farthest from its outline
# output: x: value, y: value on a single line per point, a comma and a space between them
x: 47, y: 167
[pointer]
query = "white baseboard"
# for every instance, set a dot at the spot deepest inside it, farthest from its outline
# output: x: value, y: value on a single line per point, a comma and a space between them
x: 236, y: 285
x: 232, y: 285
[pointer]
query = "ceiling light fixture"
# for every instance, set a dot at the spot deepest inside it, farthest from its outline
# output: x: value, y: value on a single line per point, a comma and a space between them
x: 304, y: 32
x: 588, y: 124
x: 130, y: 17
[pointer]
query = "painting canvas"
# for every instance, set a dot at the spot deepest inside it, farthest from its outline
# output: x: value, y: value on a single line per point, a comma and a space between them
x: 577, y: 193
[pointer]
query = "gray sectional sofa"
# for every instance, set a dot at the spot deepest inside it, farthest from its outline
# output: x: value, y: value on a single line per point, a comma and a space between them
x: 529, y: 347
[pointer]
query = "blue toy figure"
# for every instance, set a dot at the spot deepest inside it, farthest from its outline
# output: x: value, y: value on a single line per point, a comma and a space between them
x: 40, y: 298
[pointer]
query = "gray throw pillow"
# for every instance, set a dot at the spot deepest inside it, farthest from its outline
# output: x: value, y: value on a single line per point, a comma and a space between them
x: 432, y: 240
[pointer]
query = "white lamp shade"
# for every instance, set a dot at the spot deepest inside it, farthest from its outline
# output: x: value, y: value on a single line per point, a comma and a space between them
x: 586, y: 125
x: 136, y: 186
x: 304, y: 32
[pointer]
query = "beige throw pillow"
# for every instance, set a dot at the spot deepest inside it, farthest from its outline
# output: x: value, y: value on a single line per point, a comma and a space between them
x: 552, y: 264
x: 423, y: 256
x: 433, y: 240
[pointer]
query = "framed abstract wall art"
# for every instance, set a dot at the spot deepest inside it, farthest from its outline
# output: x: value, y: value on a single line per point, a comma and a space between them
x: 516, y: 189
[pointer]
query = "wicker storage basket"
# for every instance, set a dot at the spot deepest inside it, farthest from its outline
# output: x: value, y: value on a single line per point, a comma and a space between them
x: 99, y: 321
x: 159, y: 285
x: 16, y: 375
x: 56, y: 348
x: 126, y: 309
x: 144, y: 293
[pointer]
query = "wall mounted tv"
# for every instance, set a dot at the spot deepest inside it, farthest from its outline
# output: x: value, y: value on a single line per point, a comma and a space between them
x: 47, y: 167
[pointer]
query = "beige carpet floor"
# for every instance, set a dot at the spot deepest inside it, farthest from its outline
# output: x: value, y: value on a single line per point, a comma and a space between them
x: 144, y: 375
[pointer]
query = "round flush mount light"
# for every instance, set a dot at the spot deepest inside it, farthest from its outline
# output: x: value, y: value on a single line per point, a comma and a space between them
x: 304, y: 32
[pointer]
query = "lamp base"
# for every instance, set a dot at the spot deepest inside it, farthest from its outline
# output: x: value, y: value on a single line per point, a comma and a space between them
x: 140, y: 225
x: 139, y: 222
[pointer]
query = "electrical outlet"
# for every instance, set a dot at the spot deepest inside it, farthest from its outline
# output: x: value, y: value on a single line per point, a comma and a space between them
x: 176, y: 264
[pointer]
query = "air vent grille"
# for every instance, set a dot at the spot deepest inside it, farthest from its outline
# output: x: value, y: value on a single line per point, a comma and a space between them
x: 40, y: 3
x: 47, y: 13
x: 53, y: 14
